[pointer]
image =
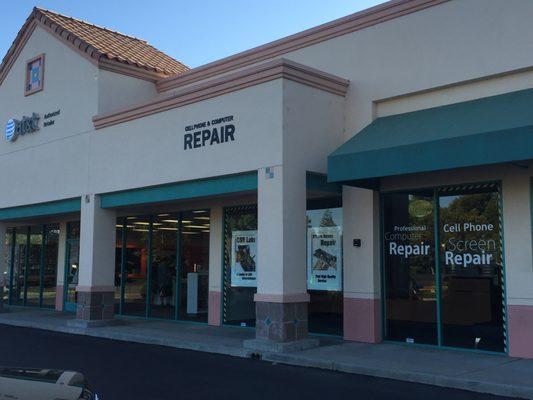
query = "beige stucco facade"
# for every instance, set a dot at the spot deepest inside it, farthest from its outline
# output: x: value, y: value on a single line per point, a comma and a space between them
x: 117, y: 133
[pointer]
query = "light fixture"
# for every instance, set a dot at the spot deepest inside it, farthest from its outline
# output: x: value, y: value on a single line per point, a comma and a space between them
x: 203, y: 218
x: 142, y: 223
x: 175, y: 221
x: 167, y: 229
x: 196, y: 226
x: 190, y: 233
x: 163, y: 215
x: 199, y: 211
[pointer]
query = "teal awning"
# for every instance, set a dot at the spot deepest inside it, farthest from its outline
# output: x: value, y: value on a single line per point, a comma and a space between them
x: 485, y: 131
x: 215, y: 186
x: 41, y: 209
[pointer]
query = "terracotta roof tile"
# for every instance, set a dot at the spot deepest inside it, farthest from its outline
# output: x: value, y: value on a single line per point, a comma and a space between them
x: 116, y: 45
x: 99, y: 43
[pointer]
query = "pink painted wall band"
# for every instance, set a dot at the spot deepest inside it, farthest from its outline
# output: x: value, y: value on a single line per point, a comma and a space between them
x: 214, y: 308
x: 520, y: 326
x: 362, y: 320
x: 59, y: 298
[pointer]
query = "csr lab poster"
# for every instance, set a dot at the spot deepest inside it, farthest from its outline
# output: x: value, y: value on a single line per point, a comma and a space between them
x: 324, y: 259
x: 244, y: 258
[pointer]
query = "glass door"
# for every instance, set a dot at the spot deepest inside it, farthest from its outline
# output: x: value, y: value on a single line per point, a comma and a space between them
x: 410, y: 280
x: 193, y: 268
x: 33, y: 270
x: 443, y: 267
x: 72, y: 265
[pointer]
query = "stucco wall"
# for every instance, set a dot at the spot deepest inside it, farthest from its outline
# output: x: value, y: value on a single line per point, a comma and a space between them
x: 117, y: 91
x: 49, y: 163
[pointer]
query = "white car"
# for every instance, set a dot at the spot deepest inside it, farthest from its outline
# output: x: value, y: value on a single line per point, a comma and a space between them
x: 43, y: 384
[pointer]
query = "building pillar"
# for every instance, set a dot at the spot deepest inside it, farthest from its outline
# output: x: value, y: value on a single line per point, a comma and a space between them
x: 517, y: 193
x: 281, y: 299
x: 362, y: 289
x: 96, y: 283
x: 4, y: 268
x: 61, y: 253
x: 216, y: 238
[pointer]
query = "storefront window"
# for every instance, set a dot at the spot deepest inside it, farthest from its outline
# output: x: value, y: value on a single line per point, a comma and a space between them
x: 33, y: 272
x: 163, y: 278
x: 240, y: 265
x: 194, y: 265
x: 49, y: 272
x: 19, y: 266
x: 120, y: 247
x: 325, y: 269
x: 31, y: 261
x: 7, y: 266
x: 464, y: 284
x: 136, y: 265
x: 164, y: 257
x: 471, y: 268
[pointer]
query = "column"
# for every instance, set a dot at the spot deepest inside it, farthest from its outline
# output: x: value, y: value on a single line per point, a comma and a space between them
x: 362, y: 289
x: 61, y: 252
x: 4, y: 268
x: 214, y: 316
x: 518, y: 264
x: 281, y: 299
x: 96, y: 282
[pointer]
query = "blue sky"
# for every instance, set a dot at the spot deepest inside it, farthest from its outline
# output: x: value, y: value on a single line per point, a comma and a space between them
x: 194, y: 32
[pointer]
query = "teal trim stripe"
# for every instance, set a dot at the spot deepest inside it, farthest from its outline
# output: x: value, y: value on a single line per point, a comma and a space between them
x: 319, y: 183
x: 485, y: 131
x: 182, y: 190
x: 41, y: 209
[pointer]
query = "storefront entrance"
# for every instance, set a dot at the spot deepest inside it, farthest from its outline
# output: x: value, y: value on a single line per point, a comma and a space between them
x: 32, y: 265
x: 451, y: 294
x: 162, y: 266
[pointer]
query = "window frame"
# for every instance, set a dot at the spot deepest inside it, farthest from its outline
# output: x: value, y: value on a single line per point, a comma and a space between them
x: 27, y: 75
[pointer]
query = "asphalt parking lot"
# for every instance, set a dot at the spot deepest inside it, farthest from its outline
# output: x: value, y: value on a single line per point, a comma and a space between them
x: 123, y: 370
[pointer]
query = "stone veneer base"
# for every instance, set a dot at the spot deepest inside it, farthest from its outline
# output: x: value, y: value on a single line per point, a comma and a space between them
x: 95, y: 306
x: 269, y: 346
x: 281, y: 322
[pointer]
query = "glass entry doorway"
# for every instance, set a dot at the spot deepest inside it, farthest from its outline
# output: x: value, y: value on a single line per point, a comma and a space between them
x: 162, y: 266
x: 72, y: 264
x: 443, y: 267
x: 31, y: 259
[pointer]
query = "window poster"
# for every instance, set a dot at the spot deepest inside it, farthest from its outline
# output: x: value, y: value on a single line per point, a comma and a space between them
x: 324, y: 258
x: 243, y: 258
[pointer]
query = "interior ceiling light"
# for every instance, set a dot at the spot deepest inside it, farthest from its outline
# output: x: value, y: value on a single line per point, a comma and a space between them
x: 175, y: 221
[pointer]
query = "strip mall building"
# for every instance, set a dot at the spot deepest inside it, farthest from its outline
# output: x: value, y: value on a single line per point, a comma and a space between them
x: 368, y: 178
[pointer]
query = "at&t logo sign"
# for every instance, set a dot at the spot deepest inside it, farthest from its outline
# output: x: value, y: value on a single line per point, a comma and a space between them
x: 16, y: 128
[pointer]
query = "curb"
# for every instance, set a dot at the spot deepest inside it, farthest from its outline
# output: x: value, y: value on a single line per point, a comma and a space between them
x: 522, y: 392
x: 127, y: 337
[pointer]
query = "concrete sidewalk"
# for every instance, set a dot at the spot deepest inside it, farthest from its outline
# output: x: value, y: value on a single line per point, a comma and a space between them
x: 485, y: 373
